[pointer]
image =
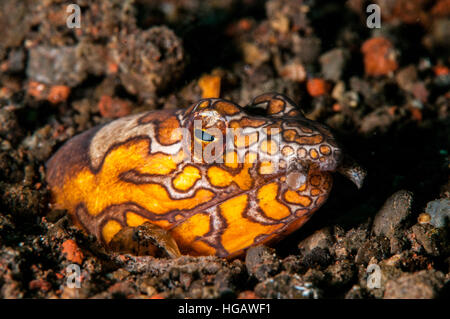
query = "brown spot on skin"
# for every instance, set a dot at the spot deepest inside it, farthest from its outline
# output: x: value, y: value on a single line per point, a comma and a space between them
x: 315, y: 180
x: 287, y: 150
x: 246, y: 122
x: 293, y: 113
x: 168, y: 131
x: 313, y: 153
x: 315, y: 192
x: 226, y: 108
x: 269, y: 147
x: 263, y: 98
x: 325, y: 149
x: 276, y: 106
x: 204, y: 104
x: 289, y: 135
x: 301, y: 152
x: 292, y: 135
x: 310, y: 140
x: 327, y: 183
x: 306, y: 129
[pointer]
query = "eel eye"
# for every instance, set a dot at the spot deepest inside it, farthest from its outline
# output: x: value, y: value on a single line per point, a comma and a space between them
x: 202, y: 135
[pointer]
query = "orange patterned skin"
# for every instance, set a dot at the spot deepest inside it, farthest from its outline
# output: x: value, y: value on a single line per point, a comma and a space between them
x: 137, y: 169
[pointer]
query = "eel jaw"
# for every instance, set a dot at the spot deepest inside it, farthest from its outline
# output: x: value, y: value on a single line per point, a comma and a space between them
x: 352, y: 170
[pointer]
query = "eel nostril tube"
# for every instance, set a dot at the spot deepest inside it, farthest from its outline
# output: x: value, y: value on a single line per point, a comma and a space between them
x: 353, y: 171
x: 295, y: 175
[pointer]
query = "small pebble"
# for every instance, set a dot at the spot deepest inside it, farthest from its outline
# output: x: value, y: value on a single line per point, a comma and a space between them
x: 380, y: 57
x: 261, y: 262
x: 393, y: 213
x: 319, y: 239
x: 424, y: 284
x: 317, y: 87
x: 72, y: 252
x: 114, y: 107
x: 438, y: 212
x: 333, y: 63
